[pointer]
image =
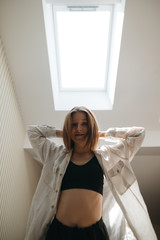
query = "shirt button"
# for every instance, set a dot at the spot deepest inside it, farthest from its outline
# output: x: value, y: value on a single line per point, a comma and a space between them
x: 61, y: 174
x: 52, y: 206
x: 117, y: 171
x: 56, y: 191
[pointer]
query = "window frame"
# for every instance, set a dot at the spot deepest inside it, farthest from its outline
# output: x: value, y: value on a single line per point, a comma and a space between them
x: 94, y: 100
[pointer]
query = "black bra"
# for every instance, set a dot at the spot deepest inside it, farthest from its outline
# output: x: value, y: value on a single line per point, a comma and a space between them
x: 86, y: 176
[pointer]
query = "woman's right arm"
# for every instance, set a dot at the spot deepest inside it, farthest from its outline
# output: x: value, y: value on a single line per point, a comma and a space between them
x: 40, y: 138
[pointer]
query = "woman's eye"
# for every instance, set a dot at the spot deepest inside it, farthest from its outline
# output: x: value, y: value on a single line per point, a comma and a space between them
x: 85, y: 123
x: 82, y: 124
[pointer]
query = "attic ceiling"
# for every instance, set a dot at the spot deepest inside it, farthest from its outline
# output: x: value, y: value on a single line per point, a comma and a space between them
x: 137, y: 95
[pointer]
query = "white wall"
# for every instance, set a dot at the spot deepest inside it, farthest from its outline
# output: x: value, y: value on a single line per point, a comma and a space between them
x: 147, y: 169
x: 18, y: 173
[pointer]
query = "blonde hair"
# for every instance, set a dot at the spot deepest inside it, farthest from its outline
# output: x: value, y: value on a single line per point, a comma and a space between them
x: 92, y: 140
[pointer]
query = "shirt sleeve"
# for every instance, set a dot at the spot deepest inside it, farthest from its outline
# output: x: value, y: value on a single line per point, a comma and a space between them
x: 41, y: 140
x: 127, y: 140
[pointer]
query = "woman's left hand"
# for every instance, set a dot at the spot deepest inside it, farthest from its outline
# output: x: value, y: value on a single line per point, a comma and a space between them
x: 102, y: 134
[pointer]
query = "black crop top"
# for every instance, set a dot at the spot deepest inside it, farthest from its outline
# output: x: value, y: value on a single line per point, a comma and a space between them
x: 86, y: 176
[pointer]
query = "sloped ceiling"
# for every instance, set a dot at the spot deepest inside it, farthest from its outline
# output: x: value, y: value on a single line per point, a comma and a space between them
x: 138, y: 87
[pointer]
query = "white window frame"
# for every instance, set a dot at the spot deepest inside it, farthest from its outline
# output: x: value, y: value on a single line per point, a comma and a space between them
x: 94, y: 99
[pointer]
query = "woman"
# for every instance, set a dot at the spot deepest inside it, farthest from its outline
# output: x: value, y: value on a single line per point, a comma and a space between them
x: 80, y: 184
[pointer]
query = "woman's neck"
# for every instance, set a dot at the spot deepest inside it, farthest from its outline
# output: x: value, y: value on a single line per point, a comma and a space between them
x: 81, y: 149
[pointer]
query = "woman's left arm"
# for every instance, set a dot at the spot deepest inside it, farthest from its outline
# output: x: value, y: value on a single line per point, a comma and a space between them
x: 130, y: 139
x: 123, y: 132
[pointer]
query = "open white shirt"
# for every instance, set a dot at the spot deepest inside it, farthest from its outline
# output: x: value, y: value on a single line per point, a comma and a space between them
x: 124, y: 211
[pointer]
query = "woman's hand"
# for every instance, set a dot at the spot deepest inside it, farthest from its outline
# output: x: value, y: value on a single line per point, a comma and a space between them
x: 102, y: 134
x: 59, y: 133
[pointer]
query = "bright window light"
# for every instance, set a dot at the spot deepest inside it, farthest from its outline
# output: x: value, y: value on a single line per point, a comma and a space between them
x: 83, y: 41
x: 83, y: 48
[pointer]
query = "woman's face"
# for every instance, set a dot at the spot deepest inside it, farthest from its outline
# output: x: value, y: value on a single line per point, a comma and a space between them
x: 79, y: 129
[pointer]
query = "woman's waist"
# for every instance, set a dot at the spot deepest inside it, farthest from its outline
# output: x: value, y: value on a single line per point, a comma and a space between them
x: 79, y: 208
x: 81, y: 224
x: 78, y: 220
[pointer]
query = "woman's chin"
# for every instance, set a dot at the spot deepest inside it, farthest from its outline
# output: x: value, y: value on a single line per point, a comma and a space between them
x: 80, y: 140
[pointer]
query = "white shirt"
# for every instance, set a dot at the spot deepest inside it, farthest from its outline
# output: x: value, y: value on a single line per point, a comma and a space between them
x: 124, y: 211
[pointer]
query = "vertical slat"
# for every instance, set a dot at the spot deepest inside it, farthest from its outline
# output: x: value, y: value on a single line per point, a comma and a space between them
x: 18, y: 173
x: 12, y: 171
x: 6, y: 152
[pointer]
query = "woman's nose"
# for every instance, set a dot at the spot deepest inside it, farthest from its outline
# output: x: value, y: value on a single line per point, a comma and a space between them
x: 79, y: 127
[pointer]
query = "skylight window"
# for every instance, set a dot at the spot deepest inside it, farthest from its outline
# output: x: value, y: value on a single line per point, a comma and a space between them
x: 83, y: 40
x: 83, y: 37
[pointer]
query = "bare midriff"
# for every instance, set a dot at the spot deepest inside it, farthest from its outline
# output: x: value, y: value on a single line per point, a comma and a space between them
x: 79, y: 207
